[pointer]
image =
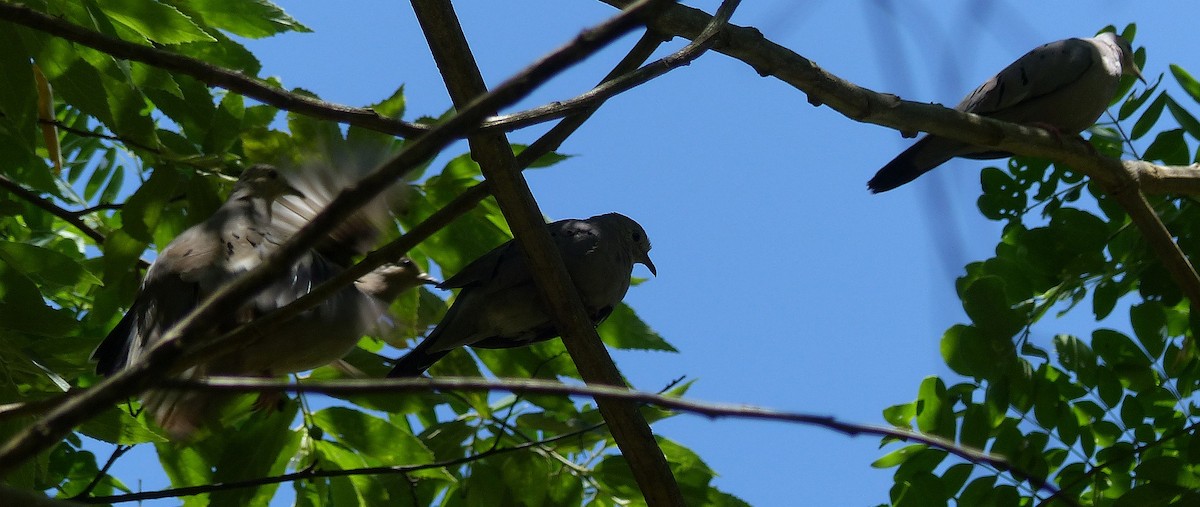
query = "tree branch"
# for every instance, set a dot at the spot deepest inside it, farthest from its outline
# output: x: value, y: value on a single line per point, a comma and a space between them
x: 170, y: 353
x: 540, y: 386
x: 312, y: 472
x: 1120, y: 179
x: 464, y: 82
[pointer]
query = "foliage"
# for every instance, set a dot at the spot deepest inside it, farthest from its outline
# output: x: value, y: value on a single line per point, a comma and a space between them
x: 147, y: 153
x: 1108, y: 418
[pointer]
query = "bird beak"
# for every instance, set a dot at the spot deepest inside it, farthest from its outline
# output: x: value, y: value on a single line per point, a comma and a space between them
x: 426, y: 279
x: 645, y: 260
x: 290, y: 190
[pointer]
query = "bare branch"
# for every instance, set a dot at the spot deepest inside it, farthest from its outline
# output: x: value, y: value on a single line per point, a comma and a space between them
x: 614, y: 85
x: 1119, y: 179
x: 169, y: 354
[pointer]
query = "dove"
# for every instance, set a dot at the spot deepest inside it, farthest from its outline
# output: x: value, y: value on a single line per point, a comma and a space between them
x: 264, y: 209
x: 500, y: 307
x: 1063, y: 86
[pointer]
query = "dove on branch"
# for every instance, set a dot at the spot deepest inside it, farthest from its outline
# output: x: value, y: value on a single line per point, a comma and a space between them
x: 1064, y: 85
x: 499, y: 306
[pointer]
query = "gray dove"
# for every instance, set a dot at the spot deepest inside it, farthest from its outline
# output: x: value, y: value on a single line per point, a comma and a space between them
x: 264, y: 209
x: 499, y: 306
x: 1064, y: 86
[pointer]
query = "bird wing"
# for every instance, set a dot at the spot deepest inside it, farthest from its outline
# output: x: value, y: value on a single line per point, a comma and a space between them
x: 1044, y: 71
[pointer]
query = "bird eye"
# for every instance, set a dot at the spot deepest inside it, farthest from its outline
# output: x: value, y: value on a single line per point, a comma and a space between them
x: 637, y: 236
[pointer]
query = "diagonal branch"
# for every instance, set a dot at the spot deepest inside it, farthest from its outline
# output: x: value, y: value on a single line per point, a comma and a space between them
x: 464, y: 82
x: 1117, y: 178
x: 171, y: 352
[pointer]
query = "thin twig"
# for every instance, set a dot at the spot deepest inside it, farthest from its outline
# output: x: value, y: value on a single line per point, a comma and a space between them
x: 119, y: 451
x: 65, y: 215
x: 312, y: 472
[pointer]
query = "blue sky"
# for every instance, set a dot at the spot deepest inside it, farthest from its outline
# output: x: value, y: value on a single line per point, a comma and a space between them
x: 782, y: 281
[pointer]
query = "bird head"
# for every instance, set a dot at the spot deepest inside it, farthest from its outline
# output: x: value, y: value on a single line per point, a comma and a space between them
x: 635, y: 239
x: 389, y: 280
x: 1128, y: 66
x: 265, y: 181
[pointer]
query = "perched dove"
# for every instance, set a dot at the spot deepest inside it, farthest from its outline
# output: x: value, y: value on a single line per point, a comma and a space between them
x: 499, y: 306
x: 1064, y: 85
x: 264, y: 209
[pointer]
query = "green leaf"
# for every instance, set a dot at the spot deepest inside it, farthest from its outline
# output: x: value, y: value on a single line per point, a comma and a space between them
x: 1148, y: 118
x: 1150, y: 326
x: 1132, y: 103
x: 154, y: 20
x: 1117, y: 349
x: 969, y: 352
x: 920, y: 491
x: 1153, y: 494
x: 23, y: 308
x: 1076, y: 356
x: 375, y: 438
x: 1185, y: 119
x: 144, y: 209
x: 252, y: 19
x: 260, y: 445
x: 935, y: 413
x: 1186, y: 81
x: 625, y: 330
x: 1104, y: 298
x: 44, y: 266
x: 978, y: 492
x: 1169, y: 147
x: 1002, y: 197
x: 18, y: 94
x: 900, y: 415
x: 116, y: 426
x: 226, y: 124
x: 986, y: 304
x: 976, y: 427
